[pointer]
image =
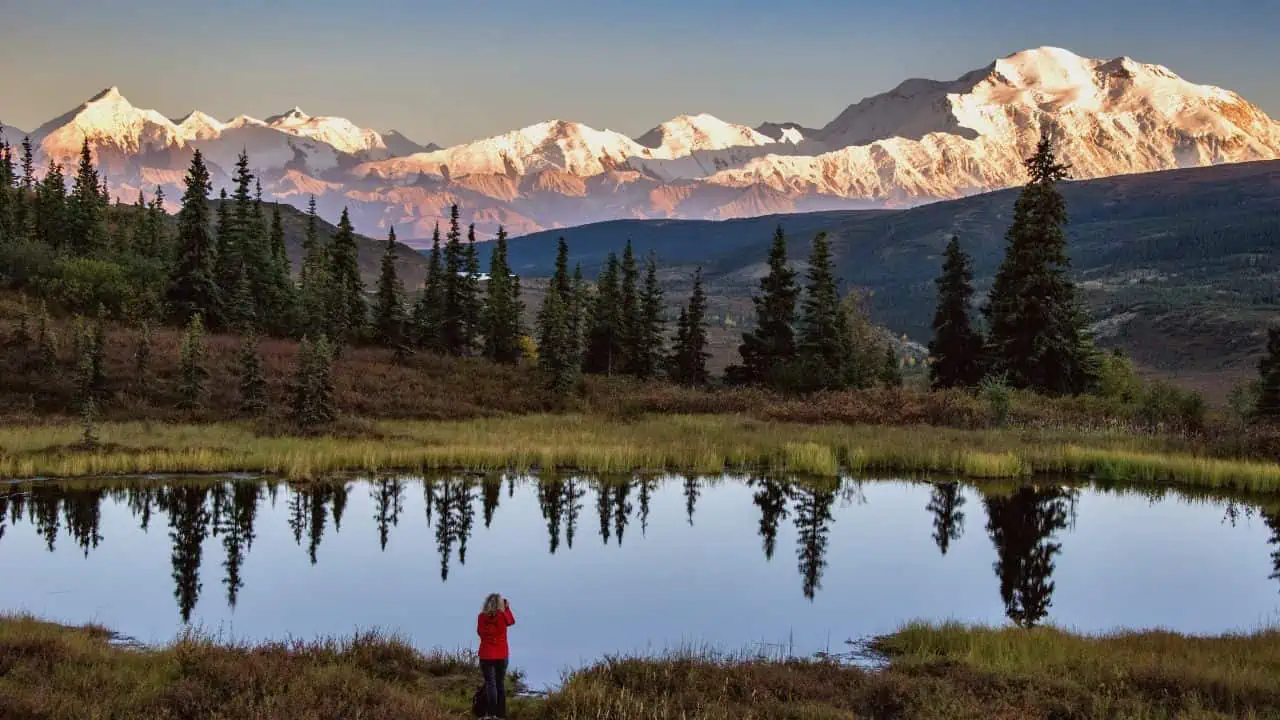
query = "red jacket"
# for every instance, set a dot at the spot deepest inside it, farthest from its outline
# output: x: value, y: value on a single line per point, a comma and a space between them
x: 492, y: 630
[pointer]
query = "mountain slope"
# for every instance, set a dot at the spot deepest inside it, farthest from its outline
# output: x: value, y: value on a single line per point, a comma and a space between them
x: 923, y: 141
x: 1181, y: 268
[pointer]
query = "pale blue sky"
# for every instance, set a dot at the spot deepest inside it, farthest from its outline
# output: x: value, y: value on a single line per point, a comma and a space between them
x: 450, y: 72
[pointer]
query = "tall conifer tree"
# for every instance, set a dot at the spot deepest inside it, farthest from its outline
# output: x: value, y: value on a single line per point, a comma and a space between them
x: 605, y: 351
x: 771, y: 345
x: 649, y: 350
x: 455, y: 298
x: 1037, y: 333
x: 50, y: 216
x: 388, y: 306
x: 824, y: 342
x: 629, y: 321
x: 282, y: 295
x: 87, y: 222
x: 956, y: 348
x: 347, y: 307
x: 313, y: 292
x: 688, y: 363
x: 502, y: 308
x: 192, y: 289
x: 427, y: 311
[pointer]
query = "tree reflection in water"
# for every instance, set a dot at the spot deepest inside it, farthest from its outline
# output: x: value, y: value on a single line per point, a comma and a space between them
x: 1024, y: 524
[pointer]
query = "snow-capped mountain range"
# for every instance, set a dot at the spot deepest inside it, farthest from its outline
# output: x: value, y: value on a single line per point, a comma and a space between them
x: 924, y: 140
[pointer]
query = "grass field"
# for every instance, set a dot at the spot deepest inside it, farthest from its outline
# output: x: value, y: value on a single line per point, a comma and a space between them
x: 703, y: 444
x: 952, y: 672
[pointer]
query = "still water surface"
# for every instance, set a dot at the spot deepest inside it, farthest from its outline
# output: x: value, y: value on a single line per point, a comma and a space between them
x: 594, y: 568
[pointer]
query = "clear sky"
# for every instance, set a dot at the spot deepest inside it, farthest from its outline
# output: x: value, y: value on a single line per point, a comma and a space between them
x: 456, y: 71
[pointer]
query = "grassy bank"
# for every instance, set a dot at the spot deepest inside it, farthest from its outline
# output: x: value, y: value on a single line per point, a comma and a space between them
x: 702, y: 444
x: 48, y: 671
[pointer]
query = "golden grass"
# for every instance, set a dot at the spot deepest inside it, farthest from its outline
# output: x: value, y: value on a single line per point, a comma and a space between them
x: 702, y: 444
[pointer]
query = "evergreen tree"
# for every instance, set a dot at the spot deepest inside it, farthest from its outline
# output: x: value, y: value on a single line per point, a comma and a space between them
x: 557, y: 350
x: 191, y: 369
x: 945, y: 503
x: 956, y: 348
x: 348, y: 312
x: 824, y: 342
x: 502, y: 308
x: 688, y: 362
x: 388, y: 304
x: 228, y: 262
x: 253, y: 384
x: 152, y: 239
x: 427, y: 310
x: 282, y: 299
x: 50, y: 217
x: 1037, y: 336
x: 629, y: 333
x: 771, y: 345
x: 91, y: 378
x: 472, y: 300
x: 455, y: 299
x: 193, y: 290
x: 647, y: 356
x: 86, y: 216
x: 1267, y: 407
x: 579, y: 310
x: 9, y: 196
x: 605, y: 351
x: 313, y: 293
x: 313, y: 404
x: 869, y: 350
x: 239, y: 308
x: 28, y: 166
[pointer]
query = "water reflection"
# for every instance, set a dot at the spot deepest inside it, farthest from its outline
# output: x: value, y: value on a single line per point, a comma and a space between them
x: 1025, y: 525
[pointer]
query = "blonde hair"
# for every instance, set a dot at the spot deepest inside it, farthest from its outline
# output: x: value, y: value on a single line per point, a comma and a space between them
x: 492, y: 604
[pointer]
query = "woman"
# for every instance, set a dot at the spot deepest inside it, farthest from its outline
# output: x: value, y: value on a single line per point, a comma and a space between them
x: 492, y: 626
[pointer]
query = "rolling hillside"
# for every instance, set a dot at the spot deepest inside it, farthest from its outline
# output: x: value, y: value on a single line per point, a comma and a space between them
x: 1180, y: 268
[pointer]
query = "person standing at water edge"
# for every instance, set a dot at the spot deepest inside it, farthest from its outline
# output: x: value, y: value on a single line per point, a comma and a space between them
x: 492, y: 626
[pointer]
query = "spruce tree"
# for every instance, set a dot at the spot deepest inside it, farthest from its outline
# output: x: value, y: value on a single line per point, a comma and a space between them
x: 50, y: 217
x: 253, y: 384
x: 824, y: 342
x: 348, y: 311
x: 229, y: 262
x: 649, y: 351
x: 956, y: 348
x: 555, y: 351
x: 313, y: 404
x: 388, y: 304
x: 579, y: 310
x: 629, y: 326
x: 1267, y: 408
x: 472, y: 299
x: 772, y: 344
x: 430, y: 303
x: 1037, y: 336
x: 193, y: 290
x: 605, y: 351
x: 455, y: 301
x: 91, y: 378
x: 242, y: 317
x: 502, y: 308
x: 87, y: 224
x: 191, y: 369
x: 281, y: 293
x: 688, y: 363
x: 9, y: 197
x: 313, y: 300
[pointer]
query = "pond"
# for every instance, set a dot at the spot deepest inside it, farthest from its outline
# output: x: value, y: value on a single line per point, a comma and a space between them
x: 629, y: 565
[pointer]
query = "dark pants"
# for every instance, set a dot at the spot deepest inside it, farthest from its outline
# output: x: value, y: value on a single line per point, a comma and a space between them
x: 495, y: 685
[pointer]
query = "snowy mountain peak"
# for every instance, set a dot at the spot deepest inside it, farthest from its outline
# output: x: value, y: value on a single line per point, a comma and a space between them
x: 110, y: 94
x: 687, y: 134
x: 107, y: 120
x: 294, y: 116
x: 199, y: 126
